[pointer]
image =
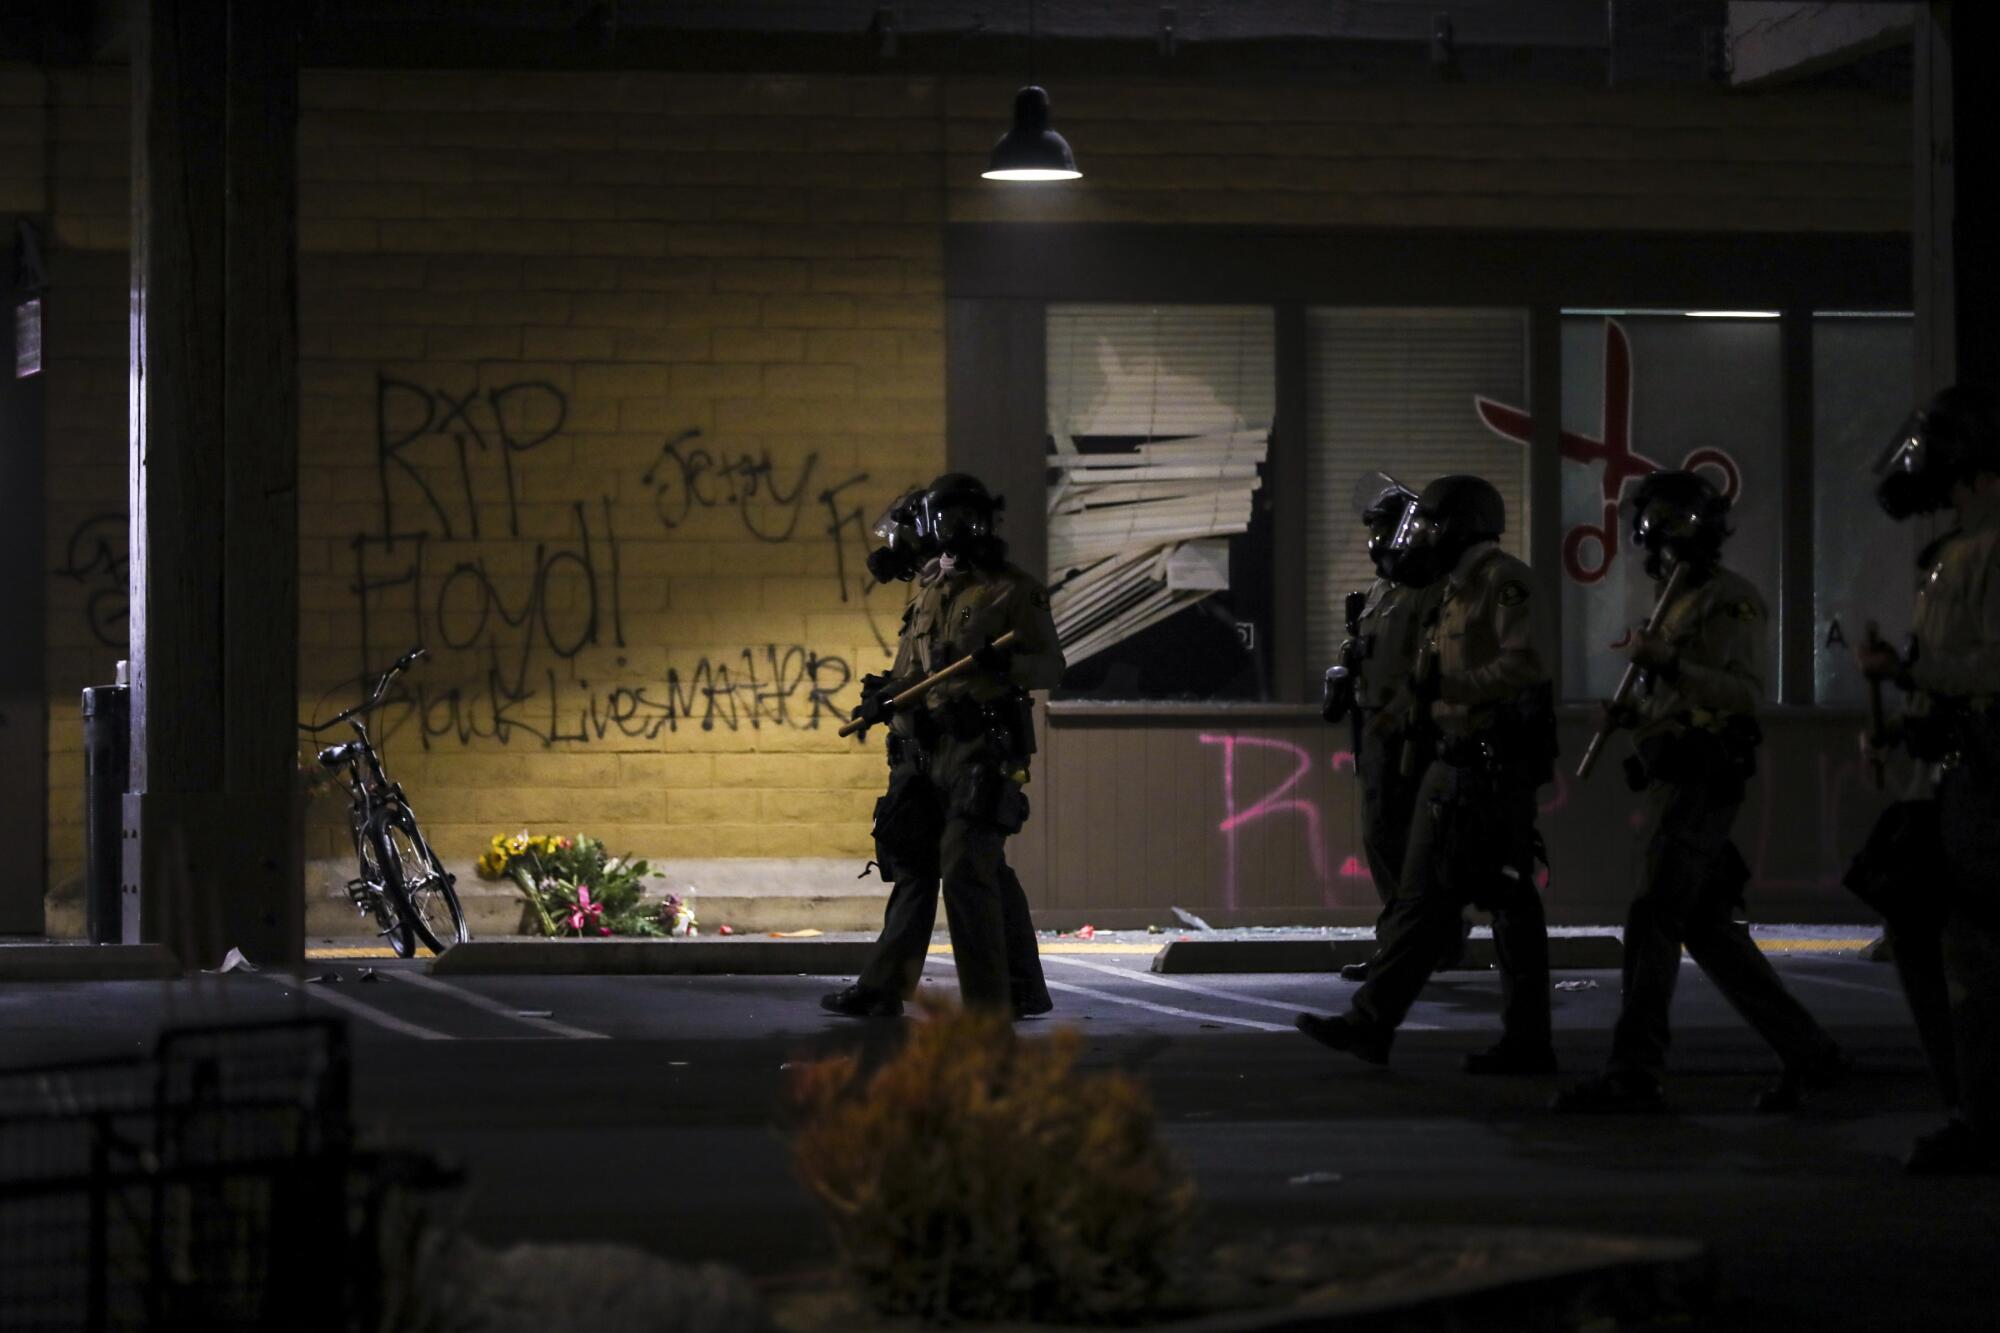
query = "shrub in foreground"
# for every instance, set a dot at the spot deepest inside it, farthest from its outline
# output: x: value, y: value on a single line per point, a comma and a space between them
x: 978, y: 1175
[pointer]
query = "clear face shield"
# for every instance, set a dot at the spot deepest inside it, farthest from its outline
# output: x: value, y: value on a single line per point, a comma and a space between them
x: 1416, y: 531
x: 901, y: 552
x: 1905, y: 484
x: 951, y: 521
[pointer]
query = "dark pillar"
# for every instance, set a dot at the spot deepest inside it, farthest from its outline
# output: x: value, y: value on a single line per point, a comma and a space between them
x: 24, y: 767
x: 214, y: 607
x: 1957, y: 274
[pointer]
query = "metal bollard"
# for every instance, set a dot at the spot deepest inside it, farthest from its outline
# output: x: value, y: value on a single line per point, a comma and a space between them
x: 107, y: 766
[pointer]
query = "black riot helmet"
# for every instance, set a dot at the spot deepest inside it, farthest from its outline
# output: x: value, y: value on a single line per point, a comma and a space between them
x: 1677, y: 517
x: 903, y: 551
x: 957, y: 515
x: 1380, y: 500
x: 1453, y: 514
x: 1954, y: 439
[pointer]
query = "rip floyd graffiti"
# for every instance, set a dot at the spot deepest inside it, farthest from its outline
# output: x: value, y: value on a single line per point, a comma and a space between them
x: 523, y: 628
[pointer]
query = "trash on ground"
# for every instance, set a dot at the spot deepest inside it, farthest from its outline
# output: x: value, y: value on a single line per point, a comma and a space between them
x: 807, y: 934
x: 1584, y: 983
x: 1316, y: 1178
x: 1155, y: 930
x: 234, y: 961
x: 327, y: 977
x: 1086, y: 931
x: 368, y: 974
x: 725, y: 929
x: 1188, y: 918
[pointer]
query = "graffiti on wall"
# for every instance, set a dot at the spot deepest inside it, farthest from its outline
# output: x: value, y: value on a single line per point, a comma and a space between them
x: 535, y: 625
x: 1589, y: 550
x: 95, y: 559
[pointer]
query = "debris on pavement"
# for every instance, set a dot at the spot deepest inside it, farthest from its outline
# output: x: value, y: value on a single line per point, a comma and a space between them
x: 807, y: 934
x: 1582, y: 983
x: 725, y: 929
x: 234, y: 961
x: 1189, y: 919
x: 1316, y: 1178
x: 368, y: 974
x: 327, y: 977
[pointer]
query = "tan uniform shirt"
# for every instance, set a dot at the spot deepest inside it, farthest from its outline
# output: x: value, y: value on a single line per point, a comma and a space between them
x: 1718, y: 629
x: 1393, y: 616
x: 1958, y: 610
x: 1484, y: 639
x: 955, y: 614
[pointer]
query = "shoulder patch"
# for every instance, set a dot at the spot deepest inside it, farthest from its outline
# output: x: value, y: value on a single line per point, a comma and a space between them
x: 1513, y: 593
x: 1742, y: 609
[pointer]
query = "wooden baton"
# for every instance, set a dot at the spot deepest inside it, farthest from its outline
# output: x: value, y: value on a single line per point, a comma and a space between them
x: 1630, y: 680
x: 1876, y: 766
x: 922, y: 687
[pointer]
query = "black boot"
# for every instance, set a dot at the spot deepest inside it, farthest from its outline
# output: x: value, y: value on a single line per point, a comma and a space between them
x: 1343, y: 1032
x: 858, y: 1001
x: 1789, y: 1092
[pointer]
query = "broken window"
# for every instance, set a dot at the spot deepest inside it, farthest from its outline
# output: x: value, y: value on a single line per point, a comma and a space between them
x: 1159, y: 421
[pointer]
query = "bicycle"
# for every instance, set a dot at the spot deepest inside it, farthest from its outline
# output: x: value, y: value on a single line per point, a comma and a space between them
x: 402, y: 884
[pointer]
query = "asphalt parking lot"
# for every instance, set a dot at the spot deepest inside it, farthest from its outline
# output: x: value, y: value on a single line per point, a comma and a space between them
x: 647, y: 1109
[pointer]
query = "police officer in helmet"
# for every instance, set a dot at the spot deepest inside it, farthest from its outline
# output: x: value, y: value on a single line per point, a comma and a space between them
x: 1947, y: 458
x: 1479, y: 679
x: 1366, y: 689
x: 958, y: 756
x: 1696, y: 735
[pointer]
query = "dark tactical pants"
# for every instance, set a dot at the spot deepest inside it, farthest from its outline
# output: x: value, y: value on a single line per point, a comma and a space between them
x: 950, y: 828
x: 1387, y: 802
x: 1468, y: 829
x: 1951, y: 971
x: 1691, y: 881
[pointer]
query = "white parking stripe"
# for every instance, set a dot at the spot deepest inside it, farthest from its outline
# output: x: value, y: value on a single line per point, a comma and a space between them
x: 1166, y: 1009
x: 349, y: 1005
x: 492, y: 1006
x: 1210, y: 992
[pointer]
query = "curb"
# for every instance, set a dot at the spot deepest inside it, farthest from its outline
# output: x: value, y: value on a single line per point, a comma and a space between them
x: 87, y: 962
x: 1576, y: 953
x: 676, y: 958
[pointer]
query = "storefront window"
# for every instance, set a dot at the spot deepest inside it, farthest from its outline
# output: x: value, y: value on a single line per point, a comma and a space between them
x: 1863, y: 564
x: 1399, y: 391
x: 1159, y: 421
x: 1649, y: 391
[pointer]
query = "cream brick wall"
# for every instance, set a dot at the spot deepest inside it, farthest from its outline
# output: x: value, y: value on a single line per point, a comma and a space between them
x: 542, y: 287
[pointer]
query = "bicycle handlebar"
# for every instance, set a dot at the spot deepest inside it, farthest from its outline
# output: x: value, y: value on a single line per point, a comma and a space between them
x: 397, y: 668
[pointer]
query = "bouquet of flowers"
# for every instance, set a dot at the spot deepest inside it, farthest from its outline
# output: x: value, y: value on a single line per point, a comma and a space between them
x: 574, y: 887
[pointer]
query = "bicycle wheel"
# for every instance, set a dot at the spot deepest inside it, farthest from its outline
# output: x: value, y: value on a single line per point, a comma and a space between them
x: 420, y: 888
x: 390, y: 922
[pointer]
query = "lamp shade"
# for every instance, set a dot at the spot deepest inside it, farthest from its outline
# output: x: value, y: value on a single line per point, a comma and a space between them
x: 1031, y: 151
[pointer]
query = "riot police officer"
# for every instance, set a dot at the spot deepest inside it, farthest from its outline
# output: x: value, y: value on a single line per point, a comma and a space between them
x: 958, y: 756
x: 1948, y: 948
x: 1364, y: 688
x: 1472, y: 837
x: 1696, y: 735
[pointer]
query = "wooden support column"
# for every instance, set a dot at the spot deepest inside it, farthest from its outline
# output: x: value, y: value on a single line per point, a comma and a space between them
x: 212, y: 826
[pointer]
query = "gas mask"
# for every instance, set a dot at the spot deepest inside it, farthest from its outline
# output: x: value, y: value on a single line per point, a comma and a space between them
x: 903, y: 549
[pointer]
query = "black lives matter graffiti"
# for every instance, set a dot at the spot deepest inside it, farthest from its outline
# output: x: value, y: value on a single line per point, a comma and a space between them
x: 526, y: 626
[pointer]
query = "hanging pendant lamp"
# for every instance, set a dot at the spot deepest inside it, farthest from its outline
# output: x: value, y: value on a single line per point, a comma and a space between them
x: 1031, y: 151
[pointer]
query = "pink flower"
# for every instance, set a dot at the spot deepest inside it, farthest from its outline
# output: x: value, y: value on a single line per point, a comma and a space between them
x: 586, y: 912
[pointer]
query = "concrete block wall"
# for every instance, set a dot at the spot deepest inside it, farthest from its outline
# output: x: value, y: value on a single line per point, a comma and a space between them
x: 605, y: 375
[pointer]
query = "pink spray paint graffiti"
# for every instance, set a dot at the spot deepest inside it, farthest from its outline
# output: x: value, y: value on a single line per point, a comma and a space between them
x: 1278, y: 800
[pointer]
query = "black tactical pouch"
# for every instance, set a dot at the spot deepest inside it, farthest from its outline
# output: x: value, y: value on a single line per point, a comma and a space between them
x: 906, y: 826
x: 1010, y: 726
x: 1899, y: 872
x: 985, y: 796
x: 1526, y: 735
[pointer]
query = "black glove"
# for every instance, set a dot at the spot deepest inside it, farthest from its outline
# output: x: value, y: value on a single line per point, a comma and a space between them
x: 878, y: 701
x: 999, y: 661
x: 1336, y: 693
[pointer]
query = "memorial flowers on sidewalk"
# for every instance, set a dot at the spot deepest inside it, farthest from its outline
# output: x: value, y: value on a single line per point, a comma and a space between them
x: 573, y: 887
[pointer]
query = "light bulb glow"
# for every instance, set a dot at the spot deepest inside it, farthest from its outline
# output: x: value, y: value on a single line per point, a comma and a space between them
x: 1031, y: 174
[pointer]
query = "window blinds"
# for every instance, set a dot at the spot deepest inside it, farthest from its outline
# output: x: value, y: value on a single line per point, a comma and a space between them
x: 1159, y: 418
x: 1394, y: 389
